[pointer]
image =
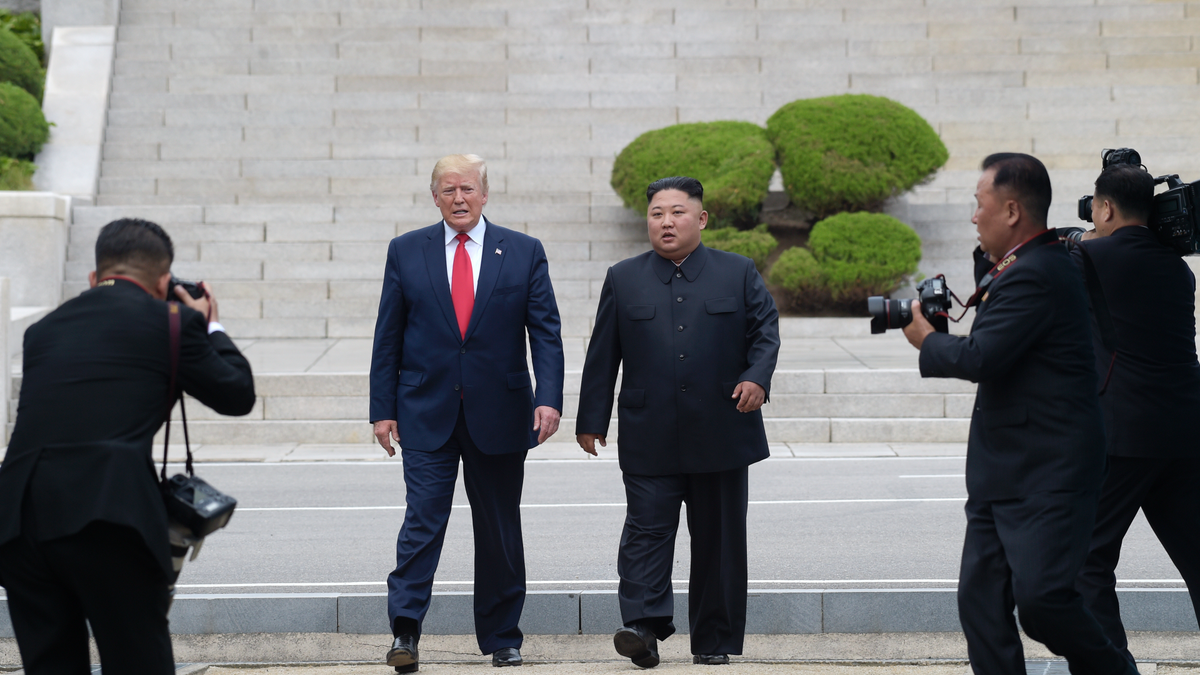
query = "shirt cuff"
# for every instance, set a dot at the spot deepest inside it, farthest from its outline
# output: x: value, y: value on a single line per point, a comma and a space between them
x: 213, y: 327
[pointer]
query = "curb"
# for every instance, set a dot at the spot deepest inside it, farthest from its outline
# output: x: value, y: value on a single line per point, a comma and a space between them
x: 769, y: 612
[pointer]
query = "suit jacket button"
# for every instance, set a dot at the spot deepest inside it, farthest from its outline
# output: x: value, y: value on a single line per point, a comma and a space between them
x: 679, y: 299
x: 457, y: 387
x: 678, y: 275
x: 681, y: 329
x: 683, y: 387
x: 463, y: 350
x: 681, y: 357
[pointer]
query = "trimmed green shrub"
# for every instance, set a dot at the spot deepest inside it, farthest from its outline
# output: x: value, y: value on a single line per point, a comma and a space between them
x: 755, y: 244
x: 16, y: 174
x: 28, y: 27
x: 797, y: 271
x: 733, y: 160
x: 851, y: 152
x: 23, y: 128
x: 850, y: 257
x: 19, y: 65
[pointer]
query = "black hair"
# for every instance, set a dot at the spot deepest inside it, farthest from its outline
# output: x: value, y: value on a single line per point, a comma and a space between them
x: 134, y: 243
x: 686, y: 184
x: 1130, y: 188
x: 1027, y: 177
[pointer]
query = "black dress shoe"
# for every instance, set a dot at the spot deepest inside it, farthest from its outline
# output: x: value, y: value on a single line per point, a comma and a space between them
x: 638, y: 644
x: 403, y: 654
x: 711, y: 659
x: 507, y: 656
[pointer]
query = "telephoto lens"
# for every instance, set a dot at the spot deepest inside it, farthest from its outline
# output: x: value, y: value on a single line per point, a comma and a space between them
x: 888, y: 313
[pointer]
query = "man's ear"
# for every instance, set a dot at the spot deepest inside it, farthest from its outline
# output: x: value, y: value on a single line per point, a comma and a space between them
x: 93, y: 279
x: 1013, y: 212
x: 163, y: 286
x: 703, y: 219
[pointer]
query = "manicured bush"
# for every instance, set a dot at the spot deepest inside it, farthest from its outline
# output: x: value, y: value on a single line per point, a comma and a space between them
x: 851, y: 152
x: 28, y: 27
x: 23, y: 128
x: 16, y: 174
x: 19, y: 65
x: 850, y: 257
x: 733, y: 160
x: 755, y: 244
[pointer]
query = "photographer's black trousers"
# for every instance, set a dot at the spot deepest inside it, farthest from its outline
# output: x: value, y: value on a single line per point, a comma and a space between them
x: 716, y: 518
x: 104, y: 575
x: 1026, y: 553
x: 1165, y: 489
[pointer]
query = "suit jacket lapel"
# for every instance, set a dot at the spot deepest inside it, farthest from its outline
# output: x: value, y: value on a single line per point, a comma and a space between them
x: 489, y: 271
x: 435, y: 261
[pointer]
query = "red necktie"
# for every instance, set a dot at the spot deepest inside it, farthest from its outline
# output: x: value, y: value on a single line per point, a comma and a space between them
x: 462, y: 287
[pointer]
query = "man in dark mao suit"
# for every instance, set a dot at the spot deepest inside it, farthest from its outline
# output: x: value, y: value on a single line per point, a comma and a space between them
x: 83, y: 529
x: 1035, y: 456
x: 1152, y: 396
x: 450, y: 383
x: 699, y: 337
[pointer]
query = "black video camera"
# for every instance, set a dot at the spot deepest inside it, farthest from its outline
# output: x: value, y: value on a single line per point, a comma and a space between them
x: 1174, y: 218
x: 935, y: 303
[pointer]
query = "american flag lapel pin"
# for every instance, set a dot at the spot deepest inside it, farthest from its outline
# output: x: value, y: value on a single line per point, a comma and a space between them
x: 497, y: 251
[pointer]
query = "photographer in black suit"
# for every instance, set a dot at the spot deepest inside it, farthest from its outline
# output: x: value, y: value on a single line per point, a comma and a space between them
x: 1035, y: 457
x: 83, y: 529
x: 1152, y: 392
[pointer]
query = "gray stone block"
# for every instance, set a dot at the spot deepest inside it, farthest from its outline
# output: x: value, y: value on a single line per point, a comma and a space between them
x: 785, y: 612
x: 890, y: 611
x: 363, y: 613
x: 1157, y: 609
x: 254, y: 613
x: 6, y: 627
x: 450, y: 613
x: 904, y: 430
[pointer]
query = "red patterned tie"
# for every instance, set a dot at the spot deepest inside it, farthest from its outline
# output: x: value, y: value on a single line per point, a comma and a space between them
x: 462, y: 287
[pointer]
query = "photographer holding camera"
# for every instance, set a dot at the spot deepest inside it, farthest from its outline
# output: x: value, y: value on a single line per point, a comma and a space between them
x: 1152, y: 389
x: 83, y: 526
x: 1035, y: 457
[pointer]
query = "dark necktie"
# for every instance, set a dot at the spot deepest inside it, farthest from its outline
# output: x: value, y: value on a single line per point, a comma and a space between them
x: 462, y: 287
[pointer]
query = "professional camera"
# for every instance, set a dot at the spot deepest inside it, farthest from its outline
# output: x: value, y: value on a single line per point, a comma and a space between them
x: 193, y: 288
x: 1174, y: 218
x: 935, y: 303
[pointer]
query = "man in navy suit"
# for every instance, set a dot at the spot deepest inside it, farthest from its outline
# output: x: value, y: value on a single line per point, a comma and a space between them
x: 1035, y: 456
x: 449, y: 381
x: 1153, y: 389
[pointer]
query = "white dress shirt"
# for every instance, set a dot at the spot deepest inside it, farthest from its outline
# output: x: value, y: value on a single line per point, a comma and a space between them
x: 474, y: 251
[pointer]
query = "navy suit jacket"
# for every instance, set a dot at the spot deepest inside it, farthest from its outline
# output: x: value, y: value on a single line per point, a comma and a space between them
x: 1155, y: 385
x: 687, y: 336
x: 421, y: 367
x: 1037, y: 425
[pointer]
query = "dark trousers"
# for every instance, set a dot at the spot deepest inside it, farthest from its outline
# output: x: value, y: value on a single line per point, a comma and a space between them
x: 716, y: 519
x: 103, y: 576
x: 493, y: 484
x: 1166, y: 491
x: 1027, y: 553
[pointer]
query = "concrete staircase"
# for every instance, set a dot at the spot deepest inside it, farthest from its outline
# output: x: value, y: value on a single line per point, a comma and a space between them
x: 282, y: 143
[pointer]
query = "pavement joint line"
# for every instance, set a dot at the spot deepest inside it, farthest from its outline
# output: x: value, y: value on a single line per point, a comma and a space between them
x: 775, y: 502
x: 677, y: 582
x: 583, y: 461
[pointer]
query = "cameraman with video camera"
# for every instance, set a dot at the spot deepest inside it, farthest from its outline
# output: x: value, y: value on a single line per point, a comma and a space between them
x: 83, y: 525
x: 1035, y: 457
x: 1151, y: 382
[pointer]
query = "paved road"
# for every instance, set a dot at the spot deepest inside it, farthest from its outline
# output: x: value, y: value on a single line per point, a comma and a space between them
x: 814, y: 523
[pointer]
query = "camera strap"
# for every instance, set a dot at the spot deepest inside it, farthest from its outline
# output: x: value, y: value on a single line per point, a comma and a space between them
x: 1037, y: 241
x: 174, y: 330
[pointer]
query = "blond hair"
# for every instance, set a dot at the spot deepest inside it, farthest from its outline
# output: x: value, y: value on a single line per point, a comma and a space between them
x: 459, y: 164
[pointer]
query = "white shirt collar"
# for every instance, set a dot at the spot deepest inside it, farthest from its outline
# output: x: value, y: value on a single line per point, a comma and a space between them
x: 476, y: 233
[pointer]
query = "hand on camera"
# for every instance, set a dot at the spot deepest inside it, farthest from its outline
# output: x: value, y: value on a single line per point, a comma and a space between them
x: 206, y: 305
x: 919, y: 328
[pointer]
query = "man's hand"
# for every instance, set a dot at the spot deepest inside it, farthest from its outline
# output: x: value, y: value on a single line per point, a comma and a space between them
x: 750, y: 395
x: 385, y: 431
x: 545, y: 422
x: 588, y: 442
x: 919, y: 328
x: 206, y: 305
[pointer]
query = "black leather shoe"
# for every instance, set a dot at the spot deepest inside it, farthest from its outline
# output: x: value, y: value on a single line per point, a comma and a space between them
x: 711, y: 659
x: 638, y: 644
x: 507, y: 656
x: 403, y: 654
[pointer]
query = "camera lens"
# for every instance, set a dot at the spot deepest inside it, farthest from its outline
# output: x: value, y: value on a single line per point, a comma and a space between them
x: 886, y: 313
x: 1085, y: 208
